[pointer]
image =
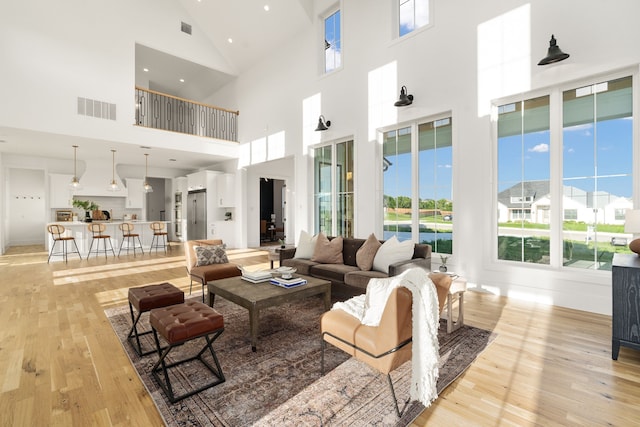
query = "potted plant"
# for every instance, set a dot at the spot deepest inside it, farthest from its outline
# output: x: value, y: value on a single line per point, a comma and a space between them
x: 281, y: 241
x: 87, y: 206
x: 443, y: 265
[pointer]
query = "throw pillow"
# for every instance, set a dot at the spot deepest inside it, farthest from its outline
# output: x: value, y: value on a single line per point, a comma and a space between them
x: 328, y: 251
x: 306, y: 245
x: 207, y: 255
x: 367, y: 252
x: 392, y: 251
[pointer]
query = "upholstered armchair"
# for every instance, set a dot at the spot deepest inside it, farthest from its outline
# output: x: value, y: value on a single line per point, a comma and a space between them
x: 384, y: 347
x: 206, y: 272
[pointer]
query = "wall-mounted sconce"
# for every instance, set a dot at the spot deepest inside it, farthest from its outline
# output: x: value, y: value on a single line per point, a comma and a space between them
x: 404, y: 98
x: 322, y: 125
x: 554, y: 54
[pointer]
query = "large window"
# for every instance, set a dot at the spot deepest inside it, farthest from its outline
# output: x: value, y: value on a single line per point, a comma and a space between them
x: 524, y: 204
x: 597, y: 167
x: 332, y: 42
x: 413, y: 14
x: 593, y: 152
x: 418, y: 196
x: 333, y: 189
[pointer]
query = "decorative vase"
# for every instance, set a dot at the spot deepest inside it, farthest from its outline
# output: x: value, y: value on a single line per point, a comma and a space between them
x: 443, y: 268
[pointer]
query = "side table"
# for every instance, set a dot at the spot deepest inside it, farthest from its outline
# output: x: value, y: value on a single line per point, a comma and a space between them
x: 456, y: 294
x: 274, y: 254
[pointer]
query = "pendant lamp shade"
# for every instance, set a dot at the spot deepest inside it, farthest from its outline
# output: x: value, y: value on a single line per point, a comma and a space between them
x: 75, y: 182
x: 554, y: 54
x: 113, y: 185
x: 146, y: 187
x: 322, y: 124
x: 404, y: 98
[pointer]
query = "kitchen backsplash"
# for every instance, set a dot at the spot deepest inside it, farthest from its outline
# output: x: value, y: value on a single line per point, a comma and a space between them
x: 114, y: 205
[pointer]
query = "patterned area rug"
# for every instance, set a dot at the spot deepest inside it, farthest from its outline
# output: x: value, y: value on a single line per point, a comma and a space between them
x: 281, y: 384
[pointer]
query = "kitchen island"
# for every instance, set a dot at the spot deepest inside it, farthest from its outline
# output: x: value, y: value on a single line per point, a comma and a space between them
x: 79, y: 230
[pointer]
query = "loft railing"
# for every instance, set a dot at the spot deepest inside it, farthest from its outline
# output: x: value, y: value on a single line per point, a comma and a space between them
x: 161, y: 111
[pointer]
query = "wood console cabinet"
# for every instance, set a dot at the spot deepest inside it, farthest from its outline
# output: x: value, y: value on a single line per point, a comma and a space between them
x: 625, y: 276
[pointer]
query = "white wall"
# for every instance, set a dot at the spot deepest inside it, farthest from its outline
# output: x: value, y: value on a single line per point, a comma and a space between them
x: 443, y: 68
x: 88, y: 50
x: 55, y: 52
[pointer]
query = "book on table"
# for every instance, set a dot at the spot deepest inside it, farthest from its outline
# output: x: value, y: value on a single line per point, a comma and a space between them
x: 256, y: 276
x: 288, y: 283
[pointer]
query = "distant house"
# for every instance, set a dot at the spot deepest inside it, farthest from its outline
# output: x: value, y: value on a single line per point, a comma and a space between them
x: 531, y: 201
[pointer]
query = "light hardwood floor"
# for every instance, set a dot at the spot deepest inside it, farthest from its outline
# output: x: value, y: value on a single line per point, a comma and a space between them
x: 61, y: 364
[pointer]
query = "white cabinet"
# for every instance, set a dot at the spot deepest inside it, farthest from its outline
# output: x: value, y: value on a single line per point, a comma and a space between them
x: 201, y: 180
x: 226, y: 185
x: 60, y: 194
x: 134, y: 193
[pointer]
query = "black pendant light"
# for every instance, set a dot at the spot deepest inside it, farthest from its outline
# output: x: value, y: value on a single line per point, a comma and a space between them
x: 554, y: 54
x: 322, y: 125
x: 404, y: 99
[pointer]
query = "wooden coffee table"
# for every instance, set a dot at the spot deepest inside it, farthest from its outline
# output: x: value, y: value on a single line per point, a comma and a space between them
x: 256, y: 296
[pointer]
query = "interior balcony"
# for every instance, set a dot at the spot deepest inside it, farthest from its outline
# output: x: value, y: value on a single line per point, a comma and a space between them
x: 167, y: 112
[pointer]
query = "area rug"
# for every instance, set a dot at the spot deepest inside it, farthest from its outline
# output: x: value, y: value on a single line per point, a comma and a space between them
x: 280, y: 384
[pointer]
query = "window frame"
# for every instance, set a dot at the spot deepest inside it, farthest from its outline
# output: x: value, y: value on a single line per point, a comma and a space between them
x: 396, y: 20
x: 555, y: 93
x: 329, y: 12
x: 413, y: 127
x: 334, y: 193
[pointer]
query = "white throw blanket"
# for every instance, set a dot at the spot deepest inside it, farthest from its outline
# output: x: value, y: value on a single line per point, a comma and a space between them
x: 368, y: 309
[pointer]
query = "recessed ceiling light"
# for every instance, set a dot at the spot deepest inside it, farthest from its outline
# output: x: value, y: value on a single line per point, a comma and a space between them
x: 146, y: 70
x: 230, y: 40
x: 181, y: 80
x: 145, y: 147
x: 266, y: 8
x: 172, y: 160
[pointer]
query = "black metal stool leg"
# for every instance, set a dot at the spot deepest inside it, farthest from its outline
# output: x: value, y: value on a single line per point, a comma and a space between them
x: 161, y: 365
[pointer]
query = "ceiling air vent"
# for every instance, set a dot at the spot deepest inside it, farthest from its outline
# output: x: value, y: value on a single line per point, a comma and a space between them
x: 186, y: 28
x: 99, y: 109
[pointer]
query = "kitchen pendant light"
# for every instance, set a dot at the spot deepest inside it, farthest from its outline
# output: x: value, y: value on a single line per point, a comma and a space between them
x: 113, y: 185
x: 75, y: 182
x: 146, y: 187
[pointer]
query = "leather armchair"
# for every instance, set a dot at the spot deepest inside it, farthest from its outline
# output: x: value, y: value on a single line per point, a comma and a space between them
x: 206, y: 273
x: 384, y: 347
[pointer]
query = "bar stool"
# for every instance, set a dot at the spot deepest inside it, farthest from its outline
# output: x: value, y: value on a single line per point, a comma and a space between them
x: 127, y: 234
x: 96, y: 231
x: 158, y: 233
x: 57, y: 232
x: 179, y: 324
x: 146, y: 298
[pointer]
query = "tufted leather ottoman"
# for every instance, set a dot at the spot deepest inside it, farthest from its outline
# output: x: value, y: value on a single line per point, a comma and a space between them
x: 144, y: 299
x: 178, y: 324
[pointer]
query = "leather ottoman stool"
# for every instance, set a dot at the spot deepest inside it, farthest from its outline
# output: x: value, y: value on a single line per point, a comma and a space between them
x: 144, y: 299
x: 179, y: 324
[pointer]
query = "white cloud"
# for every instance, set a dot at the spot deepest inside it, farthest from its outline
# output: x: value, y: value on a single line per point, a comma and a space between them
x: 540, y: 148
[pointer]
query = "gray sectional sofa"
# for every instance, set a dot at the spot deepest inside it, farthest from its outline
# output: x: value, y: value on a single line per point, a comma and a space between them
x: 347, y: 279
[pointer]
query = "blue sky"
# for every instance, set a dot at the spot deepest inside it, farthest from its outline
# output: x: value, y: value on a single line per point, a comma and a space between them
x: 612, y: 154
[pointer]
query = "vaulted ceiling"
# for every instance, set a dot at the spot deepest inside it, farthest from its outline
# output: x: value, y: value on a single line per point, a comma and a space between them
x: 255, y: 33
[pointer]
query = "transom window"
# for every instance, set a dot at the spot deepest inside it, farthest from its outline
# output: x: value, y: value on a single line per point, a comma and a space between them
x: 413, y: 14
x: 332, y: 42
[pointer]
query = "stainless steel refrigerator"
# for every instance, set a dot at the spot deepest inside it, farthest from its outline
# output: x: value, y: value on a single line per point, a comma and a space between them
x: 197, y: 215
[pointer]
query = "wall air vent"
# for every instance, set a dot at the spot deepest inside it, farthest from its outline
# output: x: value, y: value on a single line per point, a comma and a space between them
x: 186, y: 28
x: 99, y: 109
